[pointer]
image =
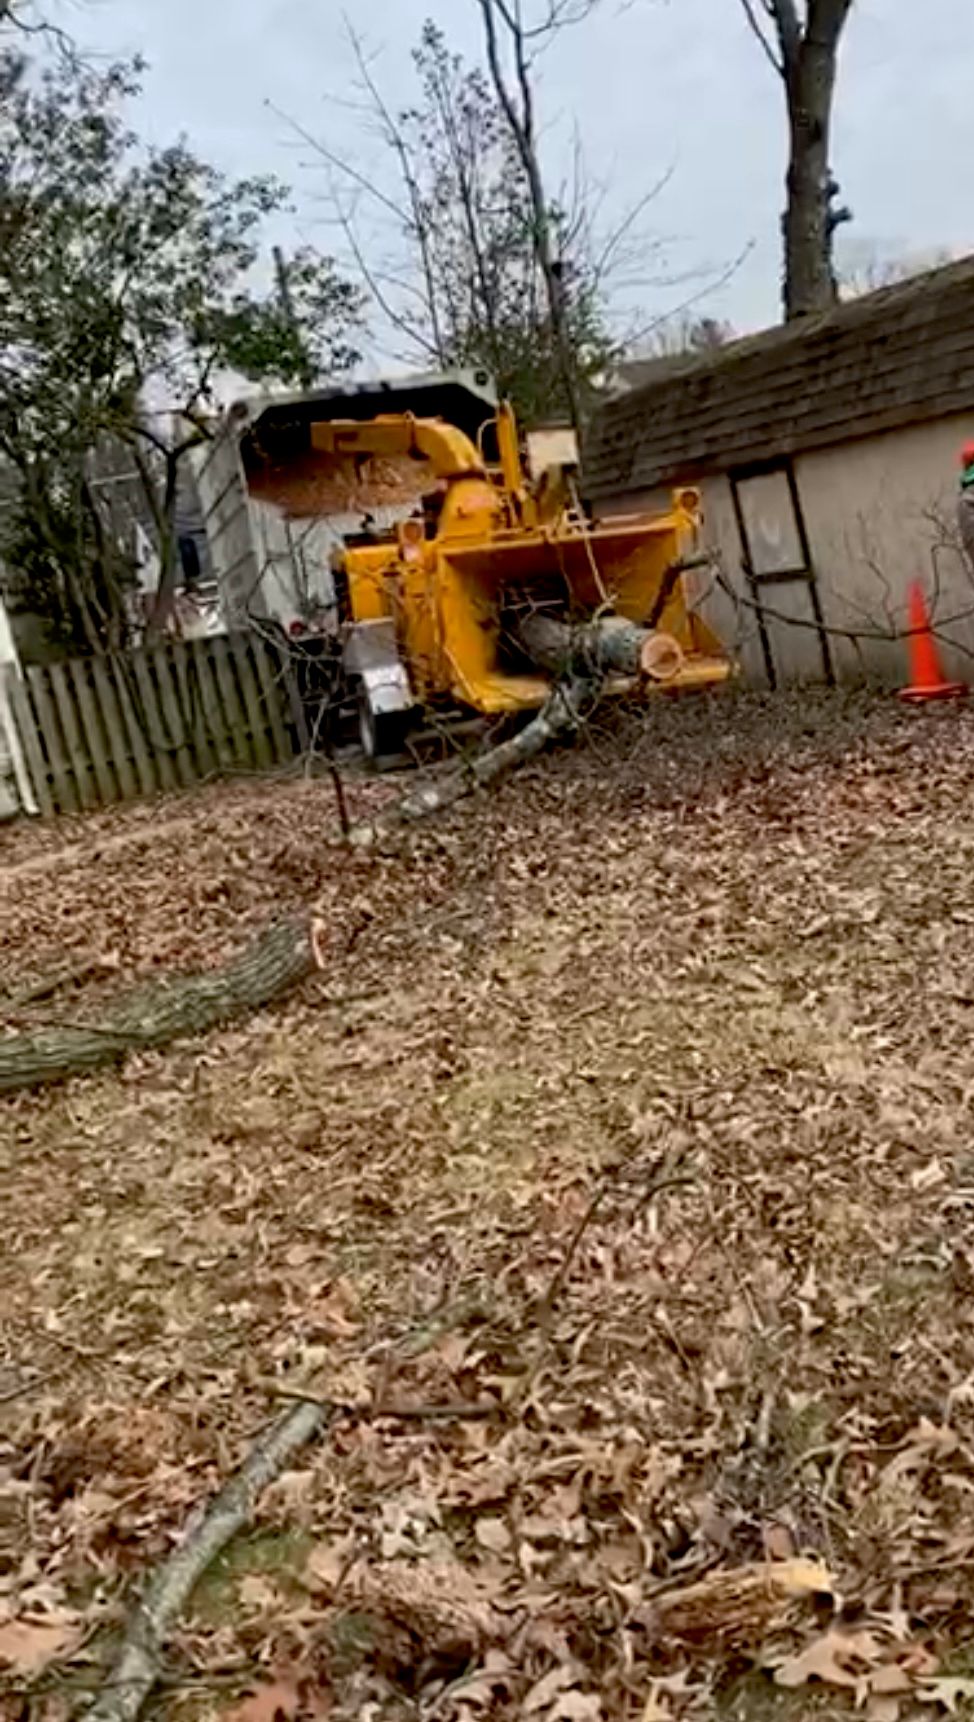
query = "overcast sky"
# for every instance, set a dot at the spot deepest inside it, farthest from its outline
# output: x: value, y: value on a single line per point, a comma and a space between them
x: 653, y: 85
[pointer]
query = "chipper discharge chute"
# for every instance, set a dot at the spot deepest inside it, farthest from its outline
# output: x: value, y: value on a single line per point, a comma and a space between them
x: 494, y: 587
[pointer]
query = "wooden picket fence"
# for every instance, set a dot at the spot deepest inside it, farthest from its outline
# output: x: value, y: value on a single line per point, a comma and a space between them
x: 100, y: 730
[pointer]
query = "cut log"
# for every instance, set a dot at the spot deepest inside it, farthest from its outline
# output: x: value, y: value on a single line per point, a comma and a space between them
x: 609, y: 646
x: 157, y: 1015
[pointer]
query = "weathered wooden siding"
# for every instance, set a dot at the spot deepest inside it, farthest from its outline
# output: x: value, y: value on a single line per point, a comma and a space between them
x: 100, y: 730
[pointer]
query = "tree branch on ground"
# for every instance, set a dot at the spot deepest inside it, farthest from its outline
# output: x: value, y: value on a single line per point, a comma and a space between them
x: 562, y: 715
x: 288, y: 952
x: 139, y: 1661
x: 138, y: 1664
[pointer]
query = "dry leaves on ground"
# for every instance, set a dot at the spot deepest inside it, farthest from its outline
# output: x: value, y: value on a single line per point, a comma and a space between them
x: 30, y: 1643
x: 717, y: 971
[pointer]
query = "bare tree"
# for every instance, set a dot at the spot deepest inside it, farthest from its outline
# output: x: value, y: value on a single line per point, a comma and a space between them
x: 471, y: 253
x: 690, y: 337
x: 801, y: 41
x: 872, y: 269
x: 440, y: 228
x: 505, y: 28
x: 25, y: 17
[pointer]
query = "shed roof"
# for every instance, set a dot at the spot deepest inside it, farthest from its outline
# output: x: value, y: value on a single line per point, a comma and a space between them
x: 894, y: 357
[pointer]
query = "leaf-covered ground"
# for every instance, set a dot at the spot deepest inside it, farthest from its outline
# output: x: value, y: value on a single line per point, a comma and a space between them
x: 626, y: 1143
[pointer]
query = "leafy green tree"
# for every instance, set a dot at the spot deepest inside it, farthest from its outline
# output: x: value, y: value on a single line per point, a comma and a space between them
x: 129, y: 279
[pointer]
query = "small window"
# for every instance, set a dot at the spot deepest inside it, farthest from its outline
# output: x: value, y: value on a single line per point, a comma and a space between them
x: 774, y: 543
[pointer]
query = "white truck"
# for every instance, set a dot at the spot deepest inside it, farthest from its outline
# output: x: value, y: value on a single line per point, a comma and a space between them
x: 269, y: 526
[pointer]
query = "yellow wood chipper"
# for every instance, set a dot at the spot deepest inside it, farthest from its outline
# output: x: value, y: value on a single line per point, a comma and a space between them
x: 494, y: 585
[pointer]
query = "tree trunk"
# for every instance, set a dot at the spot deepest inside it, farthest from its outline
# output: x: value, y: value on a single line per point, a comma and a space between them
x: 809, y: 283
x: 156, y: 1016
x: 522, y: 126
x: 165, y: 595
x: 111, y: 633
x: 804, y: 51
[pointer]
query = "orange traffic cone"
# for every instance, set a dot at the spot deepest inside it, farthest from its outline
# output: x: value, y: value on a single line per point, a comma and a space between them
x: 927, y: 679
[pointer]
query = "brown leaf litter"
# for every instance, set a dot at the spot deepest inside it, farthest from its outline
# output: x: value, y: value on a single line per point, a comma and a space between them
x: 735, y: 938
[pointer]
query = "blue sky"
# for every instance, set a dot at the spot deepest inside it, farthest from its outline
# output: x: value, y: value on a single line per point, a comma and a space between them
x: 651, y: 86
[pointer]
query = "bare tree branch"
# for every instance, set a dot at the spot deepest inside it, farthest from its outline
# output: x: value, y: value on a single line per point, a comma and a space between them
x: 473, y: 225
x: 373, y: 281
x: 611, y: 245
x: 467, y: 201
x: 521, y: 121
x: 789, y: 29
x: 21, y: 17
x: 695, y: 298
x: 560, y: 15
x: 396, y: 141
x: 752, y: 18
x: 338, y: 162
x: 430, y: 348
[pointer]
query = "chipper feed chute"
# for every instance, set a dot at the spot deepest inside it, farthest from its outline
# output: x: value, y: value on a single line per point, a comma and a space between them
x: 614, y: 596
x: 492, y: 589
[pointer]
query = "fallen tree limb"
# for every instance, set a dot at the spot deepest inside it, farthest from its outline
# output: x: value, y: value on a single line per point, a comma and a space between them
x: 561, y: 714
x: 50, y: 984
x: 455, y: 1411
x: 138, y: 1664
x: 155, y: 1016
x: 284, y: 954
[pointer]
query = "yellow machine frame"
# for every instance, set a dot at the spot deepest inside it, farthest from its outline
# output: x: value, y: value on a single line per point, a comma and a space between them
x: 444, y: 583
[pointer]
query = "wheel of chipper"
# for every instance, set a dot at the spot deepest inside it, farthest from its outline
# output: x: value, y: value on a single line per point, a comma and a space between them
x: 382, y: 734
